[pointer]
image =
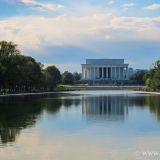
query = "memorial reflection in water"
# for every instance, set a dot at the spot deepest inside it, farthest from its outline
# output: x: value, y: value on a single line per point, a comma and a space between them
x: 116, y: 107
x: 105, y: 107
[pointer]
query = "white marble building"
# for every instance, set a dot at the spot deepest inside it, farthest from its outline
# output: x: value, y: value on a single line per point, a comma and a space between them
x: 104, y: 69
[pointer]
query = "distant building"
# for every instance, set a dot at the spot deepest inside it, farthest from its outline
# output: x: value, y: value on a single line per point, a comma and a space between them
x: 132, y: 71
x: 104, y: 69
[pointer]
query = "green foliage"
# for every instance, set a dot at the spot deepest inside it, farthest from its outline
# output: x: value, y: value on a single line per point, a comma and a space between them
x: 20, y: 73
x: 76, y: 76
x: 67, y: 78
x: 7, y: 50
x: 152, y: 77
x: 52, y: 77
x: 139, y: 77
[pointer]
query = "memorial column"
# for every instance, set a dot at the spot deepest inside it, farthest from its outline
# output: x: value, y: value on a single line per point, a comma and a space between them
x: 94, y: 73
x: 115, y: 73
x: 107, y: 73
x: 119, y: 73
x: 111, y: 73
x: 127, y: 73
x: 102, y: 72
x: 97, y: 72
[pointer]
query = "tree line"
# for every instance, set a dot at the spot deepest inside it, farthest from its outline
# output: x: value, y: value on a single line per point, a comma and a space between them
x: 19, y: 73
x: 150, y: 78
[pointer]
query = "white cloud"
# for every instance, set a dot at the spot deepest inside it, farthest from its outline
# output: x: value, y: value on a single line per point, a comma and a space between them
x: 126, y: 6
x: 155, y: 6
x: 111, y: 2
x: 40, y: 6
x: 38, y: 32
x: 129, y: 5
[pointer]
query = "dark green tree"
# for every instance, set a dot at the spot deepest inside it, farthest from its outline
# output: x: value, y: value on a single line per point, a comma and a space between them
x: 138, y: 76
x: 152, y: 77
x: 67, y: 78
x: 8, y: 51
x: 30, y: 72
x: 52, y: 77
x: 77, y: 76
x: 17, y: 72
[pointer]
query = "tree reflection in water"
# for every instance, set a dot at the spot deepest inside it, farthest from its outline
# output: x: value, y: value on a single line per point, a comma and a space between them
x: 153, y: 102
x: 17, y: 113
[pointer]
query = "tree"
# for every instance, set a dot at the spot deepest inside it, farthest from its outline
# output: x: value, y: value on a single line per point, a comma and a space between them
x: 76, y: 76
x: 152, y: 77
x: 138, y: 76
x: 17, y: 72
x: 8, y: 50
x: 52, y: 77
x: 67, y: 78
x: 30, y: 72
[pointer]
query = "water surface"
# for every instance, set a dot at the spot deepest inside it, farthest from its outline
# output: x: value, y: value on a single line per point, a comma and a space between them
x: 84, y: 125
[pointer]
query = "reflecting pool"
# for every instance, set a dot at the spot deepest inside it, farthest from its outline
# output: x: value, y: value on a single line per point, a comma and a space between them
x: 81, y: 125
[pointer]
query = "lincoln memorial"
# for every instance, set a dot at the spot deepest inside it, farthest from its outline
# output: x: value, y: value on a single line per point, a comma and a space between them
x: 104, y: 69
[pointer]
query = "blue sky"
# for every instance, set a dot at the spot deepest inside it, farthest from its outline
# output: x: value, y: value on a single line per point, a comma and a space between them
x: 66, y: 32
